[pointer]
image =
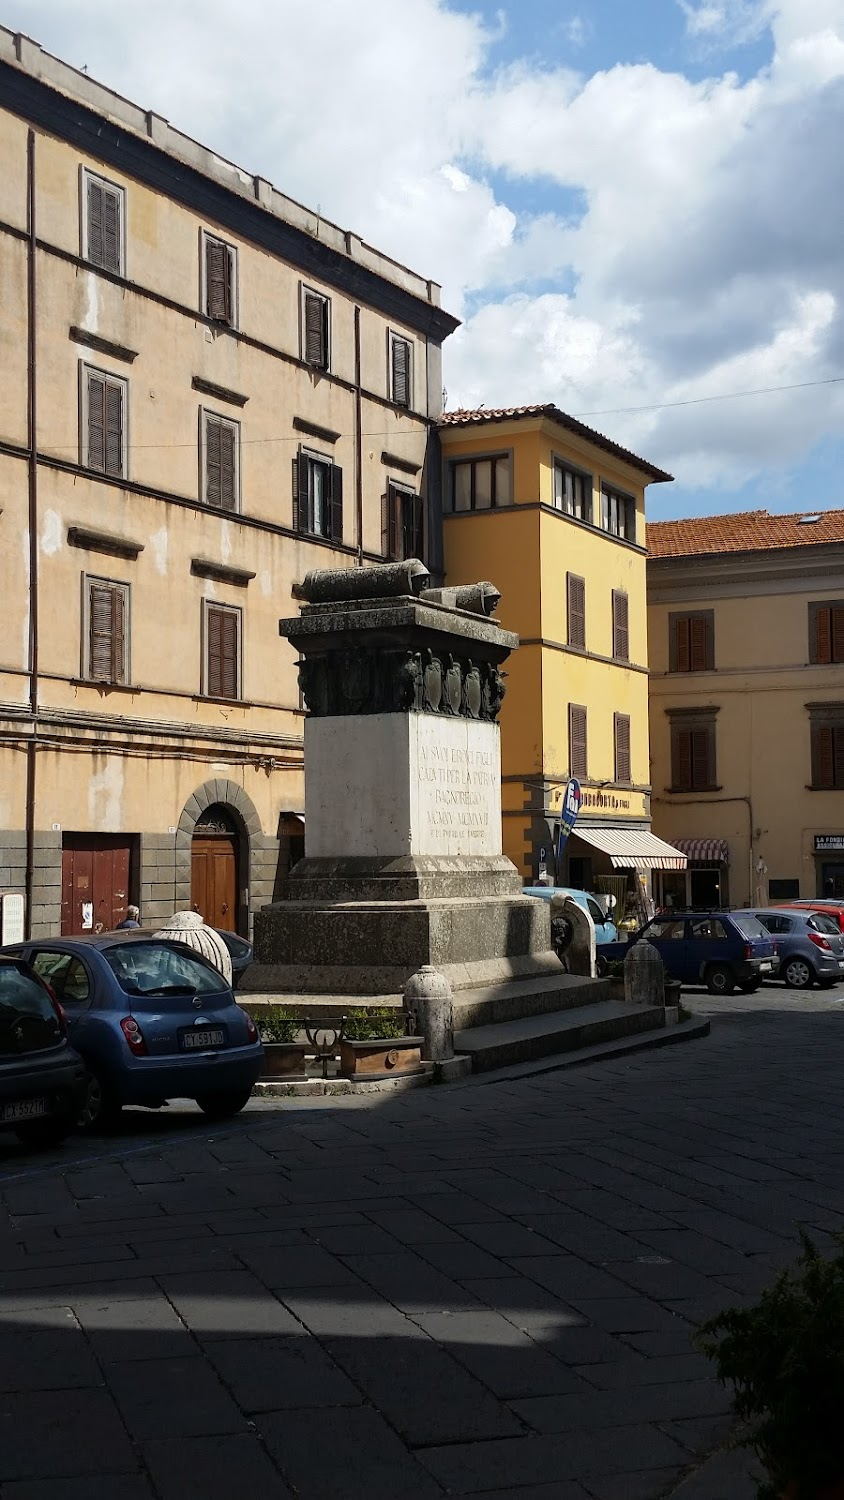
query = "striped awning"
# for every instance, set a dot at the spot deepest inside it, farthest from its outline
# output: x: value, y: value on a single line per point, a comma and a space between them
x: 632, y: 848
x: 714, y: 850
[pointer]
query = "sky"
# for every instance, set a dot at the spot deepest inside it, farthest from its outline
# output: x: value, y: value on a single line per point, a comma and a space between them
x: 635, y: 206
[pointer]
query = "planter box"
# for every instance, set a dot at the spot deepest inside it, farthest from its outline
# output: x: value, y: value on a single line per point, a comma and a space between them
x: 382, y: 1057
x: 284, y: 1060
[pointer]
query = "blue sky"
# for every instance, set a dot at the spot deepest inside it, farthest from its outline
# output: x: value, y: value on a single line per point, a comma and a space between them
x: 634, y: 205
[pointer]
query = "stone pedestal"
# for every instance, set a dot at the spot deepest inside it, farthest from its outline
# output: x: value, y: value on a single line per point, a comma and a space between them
x: 404, y: 863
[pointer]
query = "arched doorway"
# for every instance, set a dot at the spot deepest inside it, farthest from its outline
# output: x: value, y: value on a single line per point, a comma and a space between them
x: 214, y: 872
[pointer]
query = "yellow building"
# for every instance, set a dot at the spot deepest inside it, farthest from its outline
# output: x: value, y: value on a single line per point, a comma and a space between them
x: 554, y: 514
x: 746, y: 627
x: 206, y: 390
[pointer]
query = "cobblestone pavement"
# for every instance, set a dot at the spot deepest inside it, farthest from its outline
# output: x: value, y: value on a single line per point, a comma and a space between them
x: 481, y: 1290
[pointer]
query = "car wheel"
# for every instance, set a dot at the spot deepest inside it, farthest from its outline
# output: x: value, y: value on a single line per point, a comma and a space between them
x: 43, y: 1133
x: 750, y: 986
x: 798, y: 974
x: 100, y: 1109
x: 719, y: 980
x: 220, y: 1106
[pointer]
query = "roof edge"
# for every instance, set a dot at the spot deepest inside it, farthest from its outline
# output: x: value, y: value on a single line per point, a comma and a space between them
x: 552, y: 413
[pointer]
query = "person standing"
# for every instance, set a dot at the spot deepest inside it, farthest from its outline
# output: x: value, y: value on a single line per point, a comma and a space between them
x: 130, y: 919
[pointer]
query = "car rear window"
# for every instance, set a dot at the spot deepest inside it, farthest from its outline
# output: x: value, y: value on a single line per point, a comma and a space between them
x: 157, y: 968
x: 822, y: 923
x: 749, y: 927
x: 28, y: 1022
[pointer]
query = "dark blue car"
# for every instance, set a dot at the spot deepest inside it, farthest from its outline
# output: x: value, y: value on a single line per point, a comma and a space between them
x: 720, y: 949
x: 152, y: 1021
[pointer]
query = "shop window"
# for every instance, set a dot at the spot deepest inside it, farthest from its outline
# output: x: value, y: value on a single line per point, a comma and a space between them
x: 784, y: 889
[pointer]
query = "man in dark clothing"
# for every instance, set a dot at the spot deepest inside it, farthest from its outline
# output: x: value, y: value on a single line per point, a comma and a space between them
x: 130, y: 919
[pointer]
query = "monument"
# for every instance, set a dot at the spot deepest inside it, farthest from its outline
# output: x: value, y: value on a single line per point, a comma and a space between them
x: 404, y: 865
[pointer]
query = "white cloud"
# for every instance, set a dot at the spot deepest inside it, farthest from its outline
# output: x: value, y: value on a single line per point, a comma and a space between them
x: 726, y: 22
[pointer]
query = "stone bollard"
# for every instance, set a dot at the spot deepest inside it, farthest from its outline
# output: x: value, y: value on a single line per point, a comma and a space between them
x: 644, y: 975
x: 580, y: 953
x: 427, y: 995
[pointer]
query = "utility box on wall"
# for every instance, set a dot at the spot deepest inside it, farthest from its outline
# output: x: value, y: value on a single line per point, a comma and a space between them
x: 11, y: 918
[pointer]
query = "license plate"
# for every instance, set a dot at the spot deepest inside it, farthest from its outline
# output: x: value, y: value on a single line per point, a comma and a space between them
x: 765, y: 967
x: 841, y: 963
x: 202, y: 1039
x: 23, y: 1109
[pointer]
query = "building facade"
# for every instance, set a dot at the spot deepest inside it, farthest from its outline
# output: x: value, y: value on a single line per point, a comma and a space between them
x: 205, y: 391
x: 746, y: 627
x: 553, y: 514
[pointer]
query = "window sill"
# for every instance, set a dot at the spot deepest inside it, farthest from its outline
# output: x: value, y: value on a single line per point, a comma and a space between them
x: 103, y: 685
x: 811, y: 787
x: 229, y: 702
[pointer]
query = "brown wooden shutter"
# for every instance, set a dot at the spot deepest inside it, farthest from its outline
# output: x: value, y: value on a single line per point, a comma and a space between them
x: 316, y: 330
x: 620, y: 626
x: 229, y: 653
x: 96, y: 423
x: 336, y: 503
x: 228, y: 467
x: 577, y: 740
x: 214, y: 628
x: 111, y: 230
x: 390, y: 528
x: 681, y: 644
x: 106, y: 633
x: 96, y: 194
x: 824, y: 756
x: 698, y: 642
x: 303, y: 520
x: 701, y: 769
x: 622, y: 747
x: 823, y: 635
x: 576, y: 588
x: 401, y: 372
x: 218, y: 281
x: 681, y: 777
x: 837, y: 633
x: 213, y: 462
x: 222, y: 651
x: 113, y: 428
x: 418, y: 507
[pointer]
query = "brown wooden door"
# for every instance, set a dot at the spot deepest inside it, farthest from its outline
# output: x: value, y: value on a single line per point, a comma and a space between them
x: 95, y: 881
x: 213, y: 881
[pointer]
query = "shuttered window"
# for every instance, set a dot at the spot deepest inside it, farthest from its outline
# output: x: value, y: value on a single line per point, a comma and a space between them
x: 576, y: 610
x: 220, y: 281
x: 621, y: 735
x: 400, y: 370
x: 315, y: 329
x: 317, y: 496
x: 691, y: 643
x: 107, y: 630
x: 402, y: 524
x: 104, y: 418
x: 826, y: 632
x: 222, y: 651
x: 577, y: 741
x: 828, y: 755
x: 620, y: 626
x: 221, y: 444
x: 103, y: 241
x: 693, y: 757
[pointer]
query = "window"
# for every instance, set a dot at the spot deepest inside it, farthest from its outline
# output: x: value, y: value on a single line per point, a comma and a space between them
x: 104, y: 403
x: 705, y: 929
x: 572, y: 492
x: 618, y: 513
x: 620, y: 626
x: 666, y: 930
x: 102, y: 223
x: 784, y: 890
x: 480, y: 483
x: 826, y: 632
x: 691, y: 645
x: 576, y: 611
x: 157, y: 968
x: 401, y: 369
x: 577, y: 741
x: 220, y: 459
x: 316, y: 329
x: 693, y: 751
x: 827, y: 734
x: 28, y: 1021
x: 105, y: 631
x: 219, y: 280
x: 621, y: 737
x: 318, y: 497
x: 65, y: 974
x: 402, y: 525
x: 222, y: 651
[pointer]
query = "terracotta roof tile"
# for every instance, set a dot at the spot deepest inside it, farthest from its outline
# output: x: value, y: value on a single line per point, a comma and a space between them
x: 487, y: 415
x: 746, y: 531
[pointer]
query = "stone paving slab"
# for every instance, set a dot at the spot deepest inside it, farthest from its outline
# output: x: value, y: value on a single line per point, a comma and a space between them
x: 483, y: 1291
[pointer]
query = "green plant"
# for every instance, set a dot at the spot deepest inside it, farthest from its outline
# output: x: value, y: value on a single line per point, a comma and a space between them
x: 615, y: 968
x: 785, y: 1359
x: 362, y: 1024
x: 277, y: 1024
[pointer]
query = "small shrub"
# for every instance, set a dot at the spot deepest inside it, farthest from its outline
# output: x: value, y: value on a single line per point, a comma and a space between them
x: 276, y: 1024
x: 369, y: 1025
x: 615, y: 968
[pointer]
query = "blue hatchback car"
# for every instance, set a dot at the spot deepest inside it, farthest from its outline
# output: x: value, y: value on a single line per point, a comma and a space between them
x: 720, y: 949
x: 152, y: 1021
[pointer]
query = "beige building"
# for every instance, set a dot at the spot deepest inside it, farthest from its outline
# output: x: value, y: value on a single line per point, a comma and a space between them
x: 205, y: 391
x: 746, y: 647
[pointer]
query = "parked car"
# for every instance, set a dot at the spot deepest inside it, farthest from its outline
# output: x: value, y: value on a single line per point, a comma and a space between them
x: 42, y: 1079
x: 152, y: 1020
x: 831, y: 906
x: 240, y: 952
x: 717, y: 948
x: 605, y: 929
x: 810, y: 947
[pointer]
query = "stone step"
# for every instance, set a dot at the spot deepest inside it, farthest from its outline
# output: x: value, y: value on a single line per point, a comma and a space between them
x: 490, y: 1005
x: 518, y: 1041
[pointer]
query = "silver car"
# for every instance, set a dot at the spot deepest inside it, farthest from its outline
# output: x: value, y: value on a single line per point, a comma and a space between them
x: 810, y: 946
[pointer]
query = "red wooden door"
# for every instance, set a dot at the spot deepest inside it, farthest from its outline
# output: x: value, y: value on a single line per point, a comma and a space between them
x: 214, y: 879
x: 95, y: 882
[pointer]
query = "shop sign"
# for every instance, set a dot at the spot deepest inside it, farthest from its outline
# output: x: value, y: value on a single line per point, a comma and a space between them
x: 568, y: 815
x: 826, y: 842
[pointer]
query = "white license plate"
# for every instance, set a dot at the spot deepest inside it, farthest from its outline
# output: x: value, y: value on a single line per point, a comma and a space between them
x: 765, y: 967
x: 841, y: 963
x: 201, y: 1039
x: 23, y: 1109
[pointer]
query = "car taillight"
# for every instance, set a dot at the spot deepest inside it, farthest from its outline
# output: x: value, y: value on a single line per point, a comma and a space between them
x: 819, y: 940
x: 251, y: 1028
x: 747, y: 950
x: 56, y: 1003
x: 134, y: 1036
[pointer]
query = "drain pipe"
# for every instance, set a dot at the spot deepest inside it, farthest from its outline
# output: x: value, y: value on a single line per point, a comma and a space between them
x: 32, y: 664
x: 358, y: 443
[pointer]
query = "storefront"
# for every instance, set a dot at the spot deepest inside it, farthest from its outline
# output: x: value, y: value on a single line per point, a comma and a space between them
x: 704, y: 883
x: 828, y: 850
x: 622, y: 861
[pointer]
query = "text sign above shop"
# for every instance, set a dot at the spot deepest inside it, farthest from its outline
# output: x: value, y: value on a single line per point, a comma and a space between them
x: 828, y: 841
